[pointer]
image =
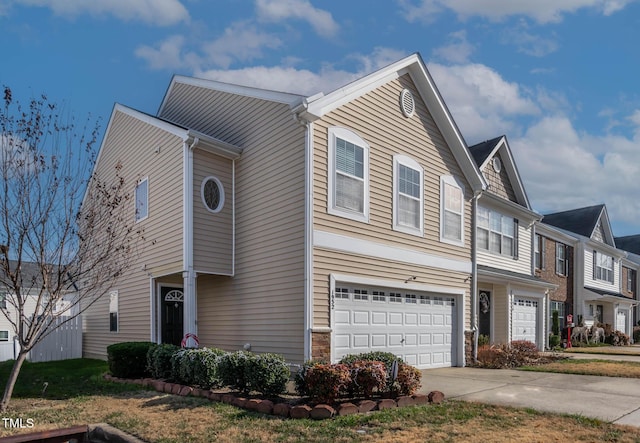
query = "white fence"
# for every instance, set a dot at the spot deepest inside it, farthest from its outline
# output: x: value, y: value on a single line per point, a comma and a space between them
x: 8, y: 350
x: 63, y: 343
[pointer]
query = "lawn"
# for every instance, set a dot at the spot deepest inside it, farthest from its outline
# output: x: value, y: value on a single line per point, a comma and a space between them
x: 608, y: 368
x: 76, y: 394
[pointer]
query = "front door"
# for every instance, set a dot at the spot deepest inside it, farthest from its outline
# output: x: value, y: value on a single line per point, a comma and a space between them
x: 171, y: 314
x: 484, y: 314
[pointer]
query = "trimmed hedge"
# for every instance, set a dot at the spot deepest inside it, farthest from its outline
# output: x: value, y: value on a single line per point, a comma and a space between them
x: 159, y: 360
x: 128, y: 359
x: 267, y: 374
x: 197, y: 367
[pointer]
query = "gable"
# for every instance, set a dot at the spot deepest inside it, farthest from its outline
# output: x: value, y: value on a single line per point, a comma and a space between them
x: 498, y: 179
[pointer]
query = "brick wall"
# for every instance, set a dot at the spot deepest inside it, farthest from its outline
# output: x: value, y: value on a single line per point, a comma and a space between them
x: 564, y: 292
x: 321, y: 346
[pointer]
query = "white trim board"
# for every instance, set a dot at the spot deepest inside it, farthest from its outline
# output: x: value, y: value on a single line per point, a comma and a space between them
x: 343, y: 243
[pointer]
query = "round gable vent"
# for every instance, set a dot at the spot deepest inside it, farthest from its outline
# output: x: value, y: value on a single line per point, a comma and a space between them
x: 407, y: 103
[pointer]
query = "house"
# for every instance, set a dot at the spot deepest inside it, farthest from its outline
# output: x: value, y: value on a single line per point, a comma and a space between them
x: 600, y: 295
x: 630, y: 266
x: 554, y: 262
x: 512, y: 300
x: 313, y: 227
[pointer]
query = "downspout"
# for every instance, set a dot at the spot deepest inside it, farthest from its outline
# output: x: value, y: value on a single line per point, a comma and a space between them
x: 233, y: 218
x: 474, y: 276
x: 308, y: 240
x: 188, y: 274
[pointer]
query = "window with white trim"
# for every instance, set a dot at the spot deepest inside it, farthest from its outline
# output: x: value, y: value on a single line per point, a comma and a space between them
x: 538, y: 247
x: 408, y: 195
x: 497, y: 233
x: 212, y: 194
x: 557, y: 306
x: 451, y: 211
x: 113, y: 311
x: 631, y: 280
x: 142, y: 199
x: 603, y: 267
x: 348, y: 175
x: 3, y: 301
x: 561, y: 259
x: 4, y: 335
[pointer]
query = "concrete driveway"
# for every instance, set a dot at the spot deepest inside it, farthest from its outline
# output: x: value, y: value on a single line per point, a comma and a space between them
x: 611, y: 399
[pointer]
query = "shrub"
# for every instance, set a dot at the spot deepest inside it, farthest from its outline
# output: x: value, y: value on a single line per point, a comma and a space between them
x: 205, y: 367
x: 385, y: 357
x: 367, y: 376
x: 408, y: 381
x: 159, y: 360
x: 231, y: 369
x: 618, y: 338
x: 555, y: 323
x: 300, y: 377
x: 636, y: 334
x: 267, y: 374
x: 483, y: 340
x: 128, y: 359
x: 518, y: 353
x: 326, y: 382
x: 554, y: 341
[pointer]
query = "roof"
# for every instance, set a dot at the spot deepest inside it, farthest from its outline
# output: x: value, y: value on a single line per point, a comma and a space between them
x: 629, y: 243
x: 580, y: 221
x: 514, y: 276
x: 594, y: 294
x: 482, y: 151
x: 31, y: 273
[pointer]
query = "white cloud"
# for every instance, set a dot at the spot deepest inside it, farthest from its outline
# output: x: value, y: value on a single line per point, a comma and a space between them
x: 154, y: 12
x: 529, y: 43
x: 458, y: 50
x: 167, y: 55
x: 542, y: 11
x: 304, y: 81
x: 280, y: 10
x: 241, y: 41
x: 483, y: 104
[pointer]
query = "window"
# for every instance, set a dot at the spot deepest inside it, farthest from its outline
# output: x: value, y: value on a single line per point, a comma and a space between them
x: 557, y: 306
x: 212, y: 194
x: 113, y: 311
x: 603, y: 267
x: 631, y: 280
x: 348, y: 175
x: 408, y: 195
x: 452, y: 211
x: 3, y: 301
x: 4, y: 335
x: 562, y: 263
x: 497, y: 233
x: 539, y: 256
x: 142, y: 199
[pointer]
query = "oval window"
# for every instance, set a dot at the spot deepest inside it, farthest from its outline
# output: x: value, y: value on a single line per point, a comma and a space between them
x: 212, y: 194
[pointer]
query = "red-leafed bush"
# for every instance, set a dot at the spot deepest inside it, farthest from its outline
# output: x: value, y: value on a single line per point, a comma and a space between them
x: 325, y: 383
x: 408, y: 380
x: 367, y: 376
x: 516, y: 354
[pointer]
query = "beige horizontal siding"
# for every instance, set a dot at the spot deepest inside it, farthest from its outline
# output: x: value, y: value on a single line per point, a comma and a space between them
x: 328, y: 262
x: 212, y: 232
x: 133, y: 144
x: 376, y: 117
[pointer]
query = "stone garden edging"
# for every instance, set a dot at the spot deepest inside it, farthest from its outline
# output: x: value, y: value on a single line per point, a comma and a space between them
x: 285, y: 410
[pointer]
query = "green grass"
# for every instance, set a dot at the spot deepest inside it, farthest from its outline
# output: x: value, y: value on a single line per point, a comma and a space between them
x: 62, y: 379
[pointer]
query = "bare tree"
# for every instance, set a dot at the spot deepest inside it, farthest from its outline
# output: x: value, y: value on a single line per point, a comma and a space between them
x: 65, y: 233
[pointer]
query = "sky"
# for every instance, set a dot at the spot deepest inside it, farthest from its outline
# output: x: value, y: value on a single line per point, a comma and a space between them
x: 558, y: 78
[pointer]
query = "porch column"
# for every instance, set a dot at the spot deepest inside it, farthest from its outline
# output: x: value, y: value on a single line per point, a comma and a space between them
x: 189, y: 306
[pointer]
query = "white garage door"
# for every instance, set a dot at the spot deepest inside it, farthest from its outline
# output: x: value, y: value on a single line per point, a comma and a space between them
x: 621, y: 320
x: 419, y: 328
x: 524, y: 319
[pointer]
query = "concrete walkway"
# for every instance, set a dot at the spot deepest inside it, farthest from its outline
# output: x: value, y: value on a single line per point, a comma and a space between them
x: 612, y: 399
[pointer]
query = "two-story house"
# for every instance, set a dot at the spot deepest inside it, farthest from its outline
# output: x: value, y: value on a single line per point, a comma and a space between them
x: 598, y: 266
x: 554, y: 253
x: 313, y: 227
x: 630, y: 267
x: 511, y: 299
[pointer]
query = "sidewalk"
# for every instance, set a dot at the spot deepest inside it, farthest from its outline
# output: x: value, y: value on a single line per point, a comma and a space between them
x: 611, y: 399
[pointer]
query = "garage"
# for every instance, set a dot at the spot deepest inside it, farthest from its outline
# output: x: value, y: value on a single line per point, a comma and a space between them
x: 524, y: 319
x: 621, y: 320
x: 418, y: 327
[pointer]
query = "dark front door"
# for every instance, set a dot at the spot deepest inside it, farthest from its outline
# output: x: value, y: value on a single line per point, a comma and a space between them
x: 171, y: 312
x: 484, y: 314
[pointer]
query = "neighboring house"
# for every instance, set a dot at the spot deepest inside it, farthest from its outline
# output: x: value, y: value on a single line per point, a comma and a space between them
x: 554, y: 253
x: 631, y: 245
x: 599, y: 294
x: 313, y: 227
x: 512, y: 301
